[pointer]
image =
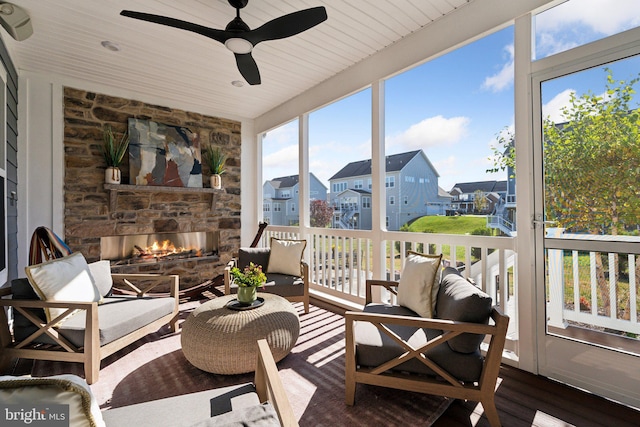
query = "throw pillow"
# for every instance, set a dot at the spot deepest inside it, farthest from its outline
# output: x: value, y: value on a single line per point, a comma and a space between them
x: 263, y: 415
x: 461, y: 301
x: 286, y: 256
x: 63, y: 279
x: 35, y: 394
x: 101, y: 273
x: 258, y: 256
x: 418, y: 288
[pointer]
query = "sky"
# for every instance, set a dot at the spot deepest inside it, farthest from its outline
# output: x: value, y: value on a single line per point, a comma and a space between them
x: 455, y: 106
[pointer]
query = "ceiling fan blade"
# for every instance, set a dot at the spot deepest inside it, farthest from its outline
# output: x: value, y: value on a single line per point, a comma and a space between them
x: 248, y: 68
x: 212, y: 33
x: 287, y: 25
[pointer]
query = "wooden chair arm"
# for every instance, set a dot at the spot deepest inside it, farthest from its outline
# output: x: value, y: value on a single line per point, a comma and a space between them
x: 269, y: 386
x: 423, y: 322
x: 29, y: 303
x: 390, y: 285
x: 5, y: 292
x: 158, y: 279
x: 227, y: 275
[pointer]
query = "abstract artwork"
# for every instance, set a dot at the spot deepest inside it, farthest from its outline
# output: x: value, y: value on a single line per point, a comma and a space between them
x: 162, y: 154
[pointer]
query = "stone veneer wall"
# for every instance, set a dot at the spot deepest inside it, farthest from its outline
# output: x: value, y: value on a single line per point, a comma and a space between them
x: 86, y: 202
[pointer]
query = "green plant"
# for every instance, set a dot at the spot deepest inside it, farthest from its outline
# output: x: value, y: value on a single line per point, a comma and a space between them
x: 250, y: 276
x: 113, y: 149
x: 216, y: 160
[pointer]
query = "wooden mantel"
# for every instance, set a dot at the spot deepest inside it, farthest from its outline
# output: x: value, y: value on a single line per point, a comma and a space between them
x: 114, y: 189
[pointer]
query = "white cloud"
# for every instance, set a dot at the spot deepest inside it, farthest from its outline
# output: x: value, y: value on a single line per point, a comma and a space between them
x: 285, y: 134
x: 503, y: 78
x: 433, y: 131
x: 553, y: 108
x: 579, y: 21
x: 285, y: 156
x: 603, y: 16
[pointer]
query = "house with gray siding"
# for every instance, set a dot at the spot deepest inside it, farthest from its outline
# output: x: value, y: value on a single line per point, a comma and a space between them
x: 281, y: 196
x: 479, y: 197
x: 412, y: 191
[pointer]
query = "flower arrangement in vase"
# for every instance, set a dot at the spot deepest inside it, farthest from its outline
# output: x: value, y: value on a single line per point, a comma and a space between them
x: 248, y: 279
x: 113, y: 150
x: 216, y: 160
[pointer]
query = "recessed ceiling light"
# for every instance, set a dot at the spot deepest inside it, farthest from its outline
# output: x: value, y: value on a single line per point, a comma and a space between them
x: 110, y: 45
x: 237, y: 83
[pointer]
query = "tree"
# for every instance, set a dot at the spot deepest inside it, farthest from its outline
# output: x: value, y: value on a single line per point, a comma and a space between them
x: 592, y: 166
x: 320, y: 213
x: 481, y: 201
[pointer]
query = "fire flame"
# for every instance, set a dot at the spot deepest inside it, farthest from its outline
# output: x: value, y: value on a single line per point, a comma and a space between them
x: 166, y: 247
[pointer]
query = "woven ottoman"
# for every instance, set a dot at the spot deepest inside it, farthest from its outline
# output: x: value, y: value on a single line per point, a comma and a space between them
x: 220, y: 340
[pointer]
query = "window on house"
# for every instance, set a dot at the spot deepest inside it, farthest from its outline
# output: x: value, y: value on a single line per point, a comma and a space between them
x: 266, y: 207
x: 390, y: 182
x: 357, y: 184
x: 280, y: 156
x: 406, y: 200
x: 277, y: 207
x: 392, y: 200
x: 369, y: 183
x: 366, y: 202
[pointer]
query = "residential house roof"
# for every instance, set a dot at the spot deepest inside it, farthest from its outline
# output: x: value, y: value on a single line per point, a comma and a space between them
x: 394, y: 163
x: 484, y: 186
x: 289, y: 181
x: 285, y: 181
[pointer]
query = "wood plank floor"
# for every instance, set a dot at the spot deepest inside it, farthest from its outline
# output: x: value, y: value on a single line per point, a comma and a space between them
x: 524, y: 399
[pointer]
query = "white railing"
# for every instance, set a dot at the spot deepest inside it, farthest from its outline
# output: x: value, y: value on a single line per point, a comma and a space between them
x: 340, y: 261
x: 566, y: 270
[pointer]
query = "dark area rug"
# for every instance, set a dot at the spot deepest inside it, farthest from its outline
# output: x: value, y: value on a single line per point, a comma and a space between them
x: 313, y: 375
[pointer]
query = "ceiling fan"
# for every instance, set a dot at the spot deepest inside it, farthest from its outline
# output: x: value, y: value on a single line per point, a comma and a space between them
x: 239, y: 38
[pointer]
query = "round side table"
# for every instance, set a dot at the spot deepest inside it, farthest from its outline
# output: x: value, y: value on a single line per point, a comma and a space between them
x: 220, y: 340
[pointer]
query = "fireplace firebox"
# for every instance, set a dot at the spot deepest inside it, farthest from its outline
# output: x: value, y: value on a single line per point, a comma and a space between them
x: 158, y: 247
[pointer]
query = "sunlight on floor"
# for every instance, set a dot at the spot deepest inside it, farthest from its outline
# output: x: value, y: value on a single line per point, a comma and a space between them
x: 542, y: 419
x: 299, y: 388
x: 328, y: 354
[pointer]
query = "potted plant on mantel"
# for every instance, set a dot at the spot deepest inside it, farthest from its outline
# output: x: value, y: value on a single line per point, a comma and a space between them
x: 113, y: 150
x: 216, y: 160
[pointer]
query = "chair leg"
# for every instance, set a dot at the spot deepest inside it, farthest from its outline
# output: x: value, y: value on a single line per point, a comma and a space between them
x: 350, y: 392
x: 173, y: 324
x: 91, y: 371
x: 490, y: 411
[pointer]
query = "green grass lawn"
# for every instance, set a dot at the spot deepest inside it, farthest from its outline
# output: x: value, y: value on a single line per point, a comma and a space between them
x: 464, y: 224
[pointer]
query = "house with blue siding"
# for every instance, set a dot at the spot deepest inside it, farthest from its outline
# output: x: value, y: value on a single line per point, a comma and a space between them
x: 412, y: 191
x: 281, y: 195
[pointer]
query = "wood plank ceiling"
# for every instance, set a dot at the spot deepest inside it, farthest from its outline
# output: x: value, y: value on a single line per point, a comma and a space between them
x: 182, y: 66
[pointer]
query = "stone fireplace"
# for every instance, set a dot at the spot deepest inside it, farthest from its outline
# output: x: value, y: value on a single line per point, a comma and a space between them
x: 95, y: 212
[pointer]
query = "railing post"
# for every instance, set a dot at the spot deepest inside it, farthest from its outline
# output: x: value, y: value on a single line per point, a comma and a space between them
x: 556, y: 282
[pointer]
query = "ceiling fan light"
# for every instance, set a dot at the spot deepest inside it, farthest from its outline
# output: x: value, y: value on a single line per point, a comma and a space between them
x: 238, y: 45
